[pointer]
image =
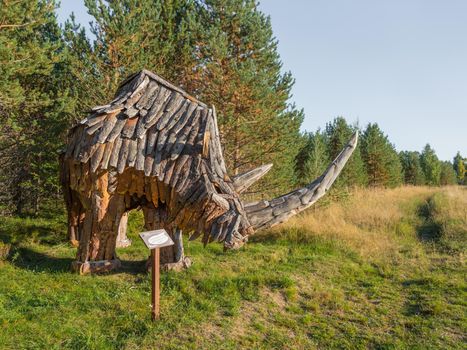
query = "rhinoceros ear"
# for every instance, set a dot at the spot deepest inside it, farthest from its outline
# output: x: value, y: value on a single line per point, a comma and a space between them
x: 242, y: 181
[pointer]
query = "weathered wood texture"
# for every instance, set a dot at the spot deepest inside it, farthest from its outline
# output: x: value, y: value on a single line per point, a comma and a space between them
x: 122, y: 238
x: 153, y: 147
x: 156, y: 148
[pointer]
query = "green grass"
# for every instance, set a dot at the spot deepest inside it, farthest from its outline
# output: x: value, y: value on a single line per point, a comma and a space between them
x: 279, y: 292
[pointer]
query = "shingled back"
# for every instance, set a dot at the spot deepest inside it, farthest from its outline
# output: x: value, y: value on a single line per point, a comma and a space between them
x: 148, y: 126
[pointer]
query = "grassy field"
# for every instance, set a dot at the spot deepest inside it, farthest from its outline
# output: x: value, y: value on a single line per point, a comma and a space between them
x: 384, y: 269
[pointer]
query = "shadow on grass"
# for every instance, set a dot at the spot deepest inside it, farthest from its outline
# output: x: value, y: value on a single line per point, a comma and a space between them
x: 429, y: 230
x: 29, y: 259
x: 45, y: 232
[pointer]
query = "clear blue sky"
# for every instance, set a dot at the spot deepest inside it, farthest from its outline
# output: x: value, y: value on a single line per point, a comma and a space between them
x: 400, y: 63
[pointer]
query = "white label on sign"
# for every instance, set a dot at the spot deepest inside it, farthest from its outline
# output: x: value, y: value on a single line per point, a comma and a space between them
x: 157, y: 239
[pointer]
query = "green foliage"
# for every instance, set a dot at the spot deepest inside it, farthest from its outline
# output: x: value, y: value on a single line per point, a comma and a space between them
x: 338, y: 133
x: 431, y: 166
x: 411, y: 168
x: 382, y: 163
x: 240, y: 73
x: 34, y: 103
x: 312, y: 159
x: 447, y: 175
x: 130, y: 36
x: 460, y: 169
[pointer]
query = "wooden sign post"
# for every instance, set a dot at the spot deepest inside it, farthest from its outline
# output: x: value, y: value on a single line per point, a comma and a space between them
x: 155, y: 240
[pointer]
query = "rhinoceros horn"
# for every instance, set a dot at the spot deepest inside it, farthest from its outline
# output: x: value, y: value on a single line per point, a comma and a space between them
x: 242, y: 181
x: 264, y: 214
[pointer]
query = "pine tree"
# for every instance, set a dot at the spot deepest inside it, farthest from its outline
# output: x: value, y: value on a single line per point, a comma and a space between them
x: 447, y: 174
x: 240, y: 73
x: 131, y: 35
x: 411, y: 168
x: 312, y: 159
x: 338, y: 133
x: 380, y: 157
x: 459, y: 167
x: 34, y: 103
x: 431, y: 166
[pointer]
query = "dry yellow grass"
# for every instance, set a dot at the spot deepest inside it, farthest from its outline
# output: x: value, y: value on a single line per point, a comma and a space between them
x: 376, y: 223
x: 454, y: 206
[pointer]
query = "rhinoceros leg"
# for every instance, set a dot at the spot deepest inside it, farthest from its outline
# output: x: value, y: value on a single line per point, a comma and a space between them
x: 122, y: 239
x: 98, y: 234
x: 172, y: 257
x: 75, y: 218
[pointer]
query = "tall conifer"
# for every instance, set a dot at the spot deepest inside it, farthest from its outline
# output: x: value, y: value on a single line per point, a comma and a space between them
x: 240, y: 72
x: 459, y: 167
x: 411, y: 168
x: 312, y: 159
x: 338, y: 133
x: 380, y: 157
x: 34, y: 102
x: 431, y: 166
x: 447, y: 174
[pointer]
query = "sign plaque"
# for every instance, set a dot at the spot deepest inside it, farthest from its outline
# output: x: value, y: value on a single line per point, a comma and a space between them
x: 155, y: 240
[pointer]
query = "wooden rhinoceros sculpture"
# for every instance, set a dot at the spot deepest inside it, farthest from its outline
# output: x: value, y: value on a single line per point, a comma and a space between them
x: 157, y: 148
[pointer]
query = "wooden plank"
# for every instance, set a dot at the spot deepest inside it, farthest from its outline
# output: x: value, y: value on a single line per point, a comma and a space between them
x: 131, y: 112
x: 132, y: 149
x: 218, y: 140
x: 177, y: 170
x: 87, y: 148
x: 182, y: 174
x: 112, y: 181
x: 117, y: 129
x: 107, y: 154
x: 188, y: 115
x: 123, y: 155
x: 185, y: 139
x: 149, y: 96
x: 95, y: 119
x: 115, y: 152
x: 154, y: 191
x: 90, y: 130
x: 153, y: 113
x: 171, y: 86
x: 73, y: 141
x: 137, y: 93
x: 162, y: 137
x: 129, y: 128
x: 97, y: 157
x: 169, y: 110
x: 140, y: 153
x: 108, y: 126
